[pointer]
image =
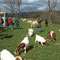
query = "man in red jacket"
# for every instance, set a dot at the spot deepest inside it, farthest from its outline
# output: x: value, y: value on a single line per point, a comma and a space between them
x: 10, y: 22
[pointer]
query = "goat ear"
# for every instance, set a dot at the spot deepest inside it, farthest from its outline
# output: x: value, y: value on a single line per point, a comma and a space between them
x: 17, y: 58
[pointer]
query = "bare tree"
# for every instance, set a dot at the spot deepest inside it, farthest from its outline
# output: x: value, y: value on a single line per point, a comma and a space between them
x: 51, y: 6
x: 9, y: 5
x: 18, y: 6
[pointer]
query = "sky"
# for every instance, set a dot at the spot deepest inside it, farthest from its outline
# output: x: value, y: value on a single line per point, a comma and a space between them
x: 31, y: 5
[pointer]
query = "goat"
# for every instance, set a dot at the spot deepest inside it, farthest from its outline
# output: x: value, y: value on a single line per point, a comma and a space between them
x: 59, y: 30
x: 29, y: 21
x: 6, y: 55
x: 30, y: 32
x: 23, y: 20
x: 23, y: 44
x: 41, y: 40
x: 52, y: 35
x: 34, y: 23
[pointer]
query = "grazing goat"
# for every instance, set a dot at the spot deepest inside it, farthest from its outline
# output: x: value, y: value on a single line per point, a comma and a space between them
x: 23, y: 44
x: 41, y: 40
x: 23, y: 20
x: 6, y: 55
x: 34, y: 23
x: 52, y: 35
x: 30, y: 32
x: 29, y: 21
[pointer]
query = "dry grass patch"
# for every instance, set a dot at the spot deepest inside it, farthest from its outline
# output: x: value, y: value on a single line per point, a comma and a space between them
x: 57, y: 43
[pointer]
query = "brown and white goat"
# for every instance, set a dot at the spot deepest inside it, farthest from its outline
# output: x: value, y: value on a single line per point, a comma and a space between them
x: 23, y: 44
x: 52, y: 35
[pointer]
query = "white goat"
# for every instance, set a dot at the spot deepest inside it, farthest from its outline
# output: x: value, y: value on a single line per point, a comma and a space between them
x: 23, y: 44
x: 40, y: 39
x: 59, y: 30
x: 29, y: 21
x: 23, y: 20
x: 6, y: 55
x: 34, y: 23
x: 30, y: 32
x: 26, y: 42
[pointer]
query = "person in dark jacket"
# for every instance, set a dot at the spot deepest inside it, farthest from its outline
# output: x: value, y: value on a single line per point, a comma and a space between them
x: 46, y: 23
x: 10, y: 22
x: 17, y: 23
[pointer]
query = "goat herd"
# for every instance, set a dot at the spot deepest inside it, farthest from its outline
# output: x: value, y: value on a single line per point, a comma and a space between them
x: 6, y: 55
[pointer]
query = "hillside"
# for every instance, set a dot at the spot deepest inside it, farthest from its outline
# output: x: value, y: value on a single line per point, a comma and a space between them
x: 12, y: 38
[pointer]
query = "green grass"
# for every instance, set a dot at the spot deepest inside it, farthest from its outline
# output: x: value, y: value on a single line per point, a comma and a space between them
x: 51, y: 52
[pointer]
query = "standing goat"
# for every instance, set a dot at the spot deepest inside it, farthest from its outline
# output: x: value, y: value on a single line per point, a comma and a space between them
x: 29, y: 21
x: 6, y: 55
x: 23, y: 44
x: 41, y: 40
x: 33, y: 23
x: 30, y: 32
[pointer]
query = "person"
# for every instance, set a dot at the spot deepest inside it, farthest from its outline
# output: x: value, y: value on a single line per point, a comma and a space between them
x: 13, y: 19
x: 1, y: 24
x: 39, y: 24
x: 46, y: 23
x: 17, y: 23
x: 10, y: 22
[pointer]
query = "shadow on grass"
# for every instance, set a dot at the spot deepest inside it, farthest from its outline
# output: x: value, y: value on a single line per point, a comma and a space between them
x: 42, y: 30
x: 1, y: 29
x: 29, y: 47
x: 2, y: 36
x: 16, y: 28
x: 8, y: 36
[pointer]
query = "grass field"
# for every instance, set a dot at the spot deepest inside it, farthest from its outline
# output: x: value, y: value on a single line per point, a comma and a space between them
x: 12, y: 38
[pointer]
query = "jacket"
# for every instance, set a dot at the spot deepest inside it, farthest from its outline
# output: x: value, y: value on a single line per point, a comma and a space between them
x: 10, y: 21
